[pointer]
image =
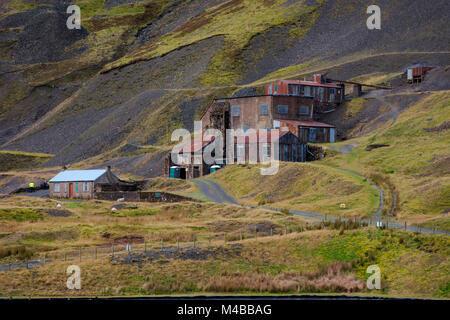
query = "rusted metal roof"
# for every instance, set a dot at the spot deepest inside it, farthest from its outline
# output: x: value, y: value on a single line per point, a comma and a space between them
x: 262, y: 137
x: 196, y: 144
x: 305, y: 123
x: 311, y: 83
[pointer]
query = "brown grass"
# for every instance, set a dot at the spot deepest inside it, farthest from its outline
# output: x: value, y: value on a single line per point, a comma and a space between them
x: 334, y: 278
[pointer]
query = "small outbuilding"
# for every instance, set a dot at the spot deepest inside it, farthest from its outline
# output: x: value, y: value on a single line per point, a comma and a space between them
x: 310, y: 131
x: 82, y: 184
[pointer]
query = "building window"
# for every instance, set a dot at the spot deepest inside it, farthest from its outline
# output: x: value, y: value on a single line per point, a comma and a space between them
x: 312, y: 134
x: 76, y: 186
x: 321, y: 93
x: 56, y: 187
x: 293, y: 89
x: 240, y: 153
x: 85, y: 186
x: 235, y: 111
x: 263, y: 109
x: 275, y: 90
x: 270, y: 89
x: 304, y: 110
x: 65, y: 187
x: 282, y: 109
x: 266, y: 151
x: 331, y: 97
x: 184, y: 158
x: 306, y: 91
x: 286, y: 152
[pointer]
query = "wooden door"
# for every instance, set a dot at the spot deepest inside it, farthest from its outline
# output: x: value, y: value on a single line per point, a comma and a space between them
x: 70, y: 190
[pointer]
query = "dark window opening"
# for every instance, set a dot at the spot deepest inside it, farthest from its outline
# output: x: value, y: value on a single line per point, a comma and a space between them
x: 183, y: 173
x: 282, y: 109
x: 304, y: 110
x: 263, y: 109
x: 235, y: 111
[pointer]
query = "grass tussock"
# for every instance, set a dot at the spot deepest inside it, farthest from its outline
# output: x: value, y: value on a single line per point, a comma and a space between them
x: 20, y: 214
x: 18, y: 252
x: 333, y: 278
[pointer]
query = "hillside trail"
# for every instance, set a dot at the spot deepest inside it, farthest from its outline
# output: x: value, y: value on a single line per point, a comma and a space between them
x: 215, y: 192
x: 44, y: 118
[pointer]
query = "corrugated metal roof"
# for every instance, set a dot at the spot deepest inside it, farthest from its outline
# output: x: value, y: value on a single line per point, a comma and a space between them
x: 262, y: 137
x: 312, y: 83
x: 305, y: 123
x: 196, y: 144
x: 78, y: 175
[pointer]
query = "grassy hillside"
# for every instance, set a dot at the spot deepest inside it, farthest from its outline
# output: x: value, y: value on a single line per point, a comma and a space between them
x: 295, y: 257
x: 162, y: 61
x: 17, y: 160
x: 411, y: 166
x: 302, y: 186
x: 414, y: 162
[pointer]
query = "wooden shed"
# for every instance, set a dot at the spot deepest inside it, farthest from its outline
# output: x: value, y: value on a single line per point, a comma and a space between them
x: 310, y: 131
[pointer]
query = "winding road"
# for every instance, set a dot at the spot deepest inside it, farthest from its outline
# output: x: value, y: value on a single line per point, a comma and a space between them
x: 213, y: 191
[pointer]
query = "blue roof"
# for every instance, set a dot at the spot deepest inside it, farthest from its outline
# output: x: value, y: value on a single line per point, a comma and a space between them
x: 77, y: 175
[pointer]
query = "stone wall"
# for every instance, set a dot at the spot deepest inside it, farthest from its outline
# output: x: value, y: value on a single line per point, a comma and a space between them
x: 141, y: 196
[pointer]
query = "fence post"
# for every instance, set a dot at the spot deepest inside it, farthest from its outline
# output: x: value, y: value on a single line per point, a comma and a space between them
x: 9, y: 266
x: 26, y: 260
x: 161, y: 244
x: 178, y: 244
x: 240, y: 235
x: 65, y: 256
x: 145, y: 246
x: 224, y: 237
x: 45, y: 258
x: 271, y: 231
x: 405, y: 225
x: 112, y: 250
x: 95, y: 252
x: 80, y: 254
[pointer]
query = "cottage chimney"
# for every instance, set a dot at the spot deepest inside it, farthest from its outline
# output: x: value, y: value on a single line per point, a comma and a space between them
x: 108, y: 168
x: 317, y: 78
x: 64, y: 168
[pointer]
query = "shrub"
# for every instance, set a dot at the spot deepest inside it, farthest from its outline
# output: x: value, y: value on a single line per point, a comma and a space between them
x: 20, y: 215
x: 20, y: 252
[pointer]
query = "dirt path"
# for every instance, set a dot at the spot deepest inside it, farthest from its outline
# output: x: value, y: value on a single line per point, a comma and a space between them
x: 347, y: 148
x: 393, y: 109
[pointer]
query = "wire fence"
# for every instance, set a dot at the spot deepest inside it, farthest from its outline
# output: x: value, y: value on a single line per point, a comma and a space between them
x: 252, y: 232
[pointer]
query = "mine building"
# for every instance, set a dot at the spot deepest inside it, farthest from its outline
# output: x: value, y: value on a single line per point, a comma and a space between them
x: 291, y: 106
